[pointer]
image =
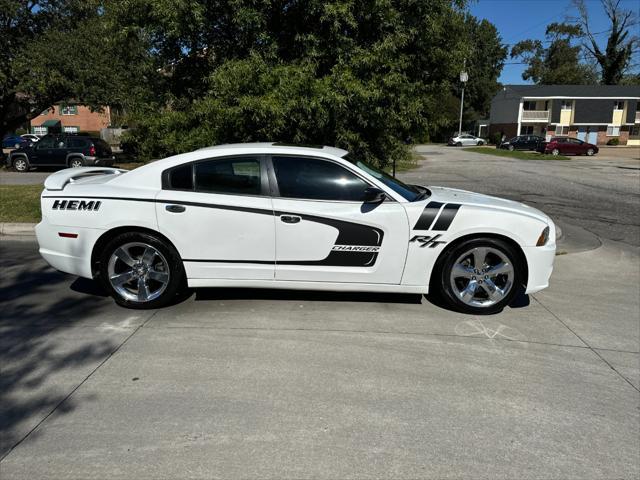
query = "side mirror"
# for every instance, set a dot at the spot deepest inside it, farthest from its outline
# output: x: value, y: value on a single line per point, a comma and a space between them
x: 374, y: 195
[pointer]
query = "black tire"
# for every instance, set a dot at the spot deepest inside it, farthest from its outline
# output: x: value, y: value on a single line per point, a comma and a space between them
x: 590, y: 152
x: 480, y: 143
x: 442, y: 283
x: 511, y: 148
x: 458, y: 144
x: 18, y: 162
x: 175, y: 286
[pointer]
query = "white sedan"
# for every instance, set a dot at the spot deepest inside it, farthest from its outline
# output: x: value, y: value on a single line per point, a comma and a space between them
x: 271, y: 215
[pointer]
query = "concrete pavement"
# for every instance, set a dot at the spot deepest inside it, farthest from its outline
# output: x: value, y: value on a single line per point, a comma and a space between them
x: 281, y: 384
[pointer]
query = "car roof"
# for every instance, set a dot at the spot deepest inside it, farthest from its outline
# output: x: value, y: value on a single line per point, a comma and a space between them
x: 278, y: 146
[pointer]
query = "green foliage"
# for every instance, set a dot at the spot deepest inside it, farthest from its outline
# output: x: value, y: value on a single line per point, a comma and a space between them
x: 56, y: 50
x: 559, y: 62
x: 369, y: 76
x: 613, y: 141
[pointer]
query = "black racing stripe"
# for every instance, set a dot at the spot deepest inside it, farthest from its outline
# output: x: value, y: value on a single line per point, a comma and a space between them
x: 428, y: 216
x: 446, y: 217
x: 349, y: 233
x: 260, y: 262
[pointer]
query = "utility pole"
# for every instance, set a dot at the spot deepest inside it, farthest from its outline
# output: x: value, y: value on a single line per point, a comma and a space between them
x: 463, y: 78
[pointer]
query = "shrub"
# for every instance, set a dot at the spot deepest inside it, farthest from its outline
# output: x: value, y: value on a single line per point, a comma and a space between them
x: 613, y: 141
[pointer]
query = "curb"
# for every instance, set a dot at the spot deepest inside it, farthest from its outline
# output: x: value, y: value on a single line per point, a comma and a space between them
x: 16, y: 230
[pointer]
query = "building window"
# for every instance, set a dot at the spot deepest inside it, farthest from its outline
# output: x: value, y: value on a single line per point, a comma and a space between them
x: 613, y: 131
x: 39, y: 130
x: 566, y: 105
x: 562, y: 129
x: 68, y: 109
x: 526, y: 130
x: 530, y: 105
x: 618, y: 105
x: 634, y: 132
x: 70, y: 129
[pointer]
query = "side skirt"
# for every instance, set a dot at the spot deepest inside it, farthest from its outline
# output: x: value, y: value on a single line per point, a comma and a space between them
x: 291, y: 285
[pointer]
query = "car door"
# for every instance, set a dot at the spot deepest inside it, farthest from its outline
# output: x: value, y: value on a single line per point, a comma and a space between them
x: 43, y: 152
x: 219, y: 215
x: 324, y: 231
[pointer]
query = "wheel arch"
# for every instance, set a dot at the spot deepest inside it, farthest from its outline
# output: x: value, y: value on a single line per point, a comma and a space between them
x: 514, y: 244
x: 107, y: 236
x: 71, y: 156
x: 13, y: 156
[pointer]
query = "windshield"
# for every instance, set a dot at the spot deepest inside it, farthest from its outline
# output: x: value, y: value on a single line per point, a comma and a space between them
x: 411, y: 193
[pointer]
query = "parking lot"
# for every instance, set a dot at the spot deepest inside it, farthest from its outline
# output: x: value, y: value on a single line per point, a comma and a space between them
x: 281, y: 384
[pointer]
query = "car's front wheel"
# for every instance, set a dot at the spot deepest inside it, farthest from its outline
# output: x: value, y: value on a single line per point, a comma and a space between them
x: 21, y: 164
x: 511, y: 148
x: 555, y: 152
x: 480, y: 143
x: 480, y: 276
x: 141, y: 270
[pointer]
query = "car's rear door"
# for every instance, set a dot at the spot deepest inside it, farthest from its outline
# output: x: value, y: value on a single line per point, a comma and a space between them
x: 324, y: 231
x: 219, y: 215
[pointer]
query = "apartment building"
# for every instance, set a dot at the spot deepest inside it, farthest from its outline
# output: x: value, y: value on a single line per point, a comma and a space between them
x: 70, y: 118
x: 593, y: 113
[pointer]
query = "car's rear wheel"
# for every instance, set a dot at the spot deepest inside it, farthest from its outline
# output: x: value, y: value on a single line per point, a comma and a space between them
x: 590, y: 152
x: 76, y: 162
x: 480, y: 275
x: 21, y: 164
x: 141, y: 270
x: 555, y: 152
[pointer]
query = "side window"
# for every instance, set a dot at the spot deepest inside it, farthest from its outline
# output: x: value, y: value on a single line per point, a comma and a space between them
x: 45, y: 143
x: 180, y: 178
x: 240, y: 176
x: 315, y: 179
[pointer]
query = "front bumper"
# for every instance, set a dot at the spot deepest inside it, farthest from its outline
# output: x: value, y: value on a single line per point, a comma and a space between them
x: 540, y: 262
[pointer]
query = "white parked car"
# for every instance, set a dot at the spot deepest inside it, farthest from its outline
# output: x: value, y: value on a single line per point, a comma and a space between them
x: 465, y: 140
x: 274, y: 216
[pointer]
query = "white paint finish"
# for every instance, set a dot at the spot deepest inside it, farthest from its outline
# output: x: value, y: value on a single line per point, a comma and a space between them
x: 315, y: 240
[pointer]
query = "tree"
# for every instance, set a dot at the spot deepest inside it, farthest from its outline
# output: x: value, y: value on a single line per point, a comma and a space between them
x: 559, y: 62
x: 361, y: 74
x: 56, y: 50
x: 616, y: 58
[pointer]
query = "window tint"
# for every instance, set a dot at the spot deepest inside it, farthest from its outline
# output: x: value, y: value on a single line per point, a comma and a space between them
x: 181, y: 178
x: 76, y: 143
x: 238, y: 176
x: 46, y: 142
x: 316, y: 179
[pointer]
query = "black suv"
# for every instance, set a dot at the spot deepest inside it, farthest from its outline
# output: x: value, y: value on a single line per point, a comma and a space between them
x: 62, y: 150
x: 523, y: 142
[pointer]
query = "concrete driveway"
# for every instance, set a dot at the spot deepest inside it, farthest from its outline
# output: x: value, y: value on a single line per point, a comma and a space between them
x: 248, y: 383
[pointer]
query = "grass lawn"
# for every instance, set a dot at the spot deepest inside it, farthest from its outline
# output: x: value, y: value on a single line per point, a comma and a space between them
x: 519, y: 154
x: 20, y: 203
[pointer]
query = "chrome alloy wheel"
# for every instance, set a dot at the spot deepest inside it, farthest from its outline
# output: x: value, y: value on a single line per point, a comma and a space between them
x: 20, y: 164
x: 138, y: 272
x: 482, y: 276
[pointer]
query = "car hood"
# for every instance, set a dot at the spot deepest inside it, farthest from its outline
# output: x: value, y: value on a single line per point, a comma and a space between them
x: 452, y: 195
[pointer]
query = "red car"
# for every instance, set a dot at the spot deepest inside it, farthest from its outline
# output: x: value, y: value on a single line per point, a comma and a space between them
x: 569, y: 146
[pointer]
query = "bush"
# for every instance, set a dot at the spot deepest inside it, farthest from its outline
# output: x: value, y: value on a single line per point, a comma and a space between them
x: 613, y: 141
x: 495, y: 138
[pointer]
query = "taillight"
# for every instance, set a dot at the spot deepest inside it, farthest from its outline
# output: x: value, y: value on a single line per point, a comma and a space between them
x: 92, y: 151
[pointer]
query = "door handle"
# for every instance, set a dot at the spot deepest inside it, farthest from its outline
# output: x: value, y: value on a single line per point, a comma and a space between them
x: 290, y: 219
x: 175, y: 208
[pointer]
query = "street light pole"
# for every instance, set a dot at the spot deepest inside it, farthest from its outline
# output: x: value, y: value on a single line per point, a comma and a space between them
x: 463, y: 78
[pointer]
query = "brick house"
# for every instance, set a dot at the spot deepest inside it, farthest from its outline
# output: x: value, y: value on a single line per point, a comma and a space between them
x: 593, y: 113
x: 70, y: 118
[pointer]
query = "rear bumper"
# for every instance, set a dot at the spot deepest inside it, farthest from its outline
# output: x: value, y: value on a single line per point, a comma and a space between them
x: 102, y: 162
x: 69, y: 255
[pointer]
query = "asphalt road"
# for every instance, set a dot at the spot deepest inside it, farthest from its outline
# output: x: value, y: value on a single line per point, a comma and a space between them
x: 248, y: 383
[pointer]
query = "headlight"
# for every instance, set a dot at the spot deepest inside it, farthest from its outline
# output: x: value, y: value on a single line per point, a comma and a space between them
x: 543, y: 238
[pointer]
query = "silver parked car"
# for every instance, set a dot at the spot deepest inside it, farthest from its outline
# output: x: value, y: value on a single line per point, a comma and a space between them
x: 465, y: 139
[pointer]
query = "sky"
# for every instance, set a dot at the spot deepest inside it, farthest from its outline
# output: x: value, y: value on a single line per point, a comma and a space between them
x: 522, y: 19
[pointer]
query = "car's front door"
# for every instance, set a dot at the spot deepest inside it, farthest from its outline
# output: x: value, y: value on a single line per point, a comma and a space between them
x: 219, y: 215
x: 324, y: 230
x: 43, y: 152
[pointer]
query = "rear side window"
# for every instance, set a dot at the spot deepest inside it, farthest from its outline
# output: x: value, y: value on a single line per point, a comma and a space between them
x: 76, y: 143
x: 181, y: 178
x: 239, y: 176
x: 315, y: 179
